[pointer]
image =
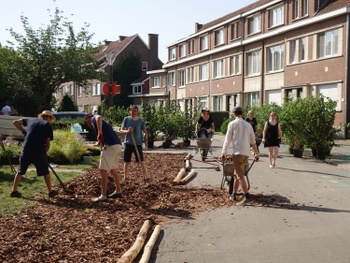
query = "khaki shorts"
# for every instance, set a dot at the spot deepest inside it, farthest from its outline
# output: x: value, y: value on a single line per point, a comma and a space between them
x: 239, y: 162
x: 110, y: 156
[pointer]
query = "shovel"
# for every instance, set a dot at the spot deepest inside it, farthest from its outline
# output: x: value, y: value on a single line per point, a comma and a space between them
x: 138, y: 157
x: 8, y: 157
x: 54, y: 172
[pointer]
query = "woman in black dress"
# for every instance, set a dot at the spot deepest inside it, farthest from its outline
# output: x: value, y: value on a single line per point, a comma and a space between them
x: 271, y: 134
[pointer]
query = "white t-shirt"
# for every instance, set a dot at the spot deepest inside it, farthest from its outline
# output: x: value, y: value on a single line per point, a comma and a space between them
x: 6, y: 110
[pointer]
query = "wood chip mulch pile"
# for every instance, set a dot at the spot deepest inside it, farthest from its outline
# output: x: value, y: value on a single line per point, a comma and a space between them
x: 72, y: 228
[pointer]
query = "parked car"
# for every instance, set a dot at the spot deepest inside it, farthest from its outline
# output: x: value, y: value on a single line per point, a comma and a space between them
x: 69, y: 115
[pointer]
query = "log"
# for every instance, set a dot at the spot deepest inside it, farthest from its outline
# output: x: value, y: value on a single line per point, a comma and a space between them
x: 179, y: 176
x: 188, y: 162
x: 132, y: 253
x: 188, y: 177
x: 150, y: 244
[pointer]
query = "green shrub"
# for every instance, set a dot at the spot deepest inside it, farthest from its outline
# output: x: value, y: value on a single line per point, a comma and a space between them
x: 224, y: 126
x: 219, y: 118
x: 67, y: 147
x: 12, y: 149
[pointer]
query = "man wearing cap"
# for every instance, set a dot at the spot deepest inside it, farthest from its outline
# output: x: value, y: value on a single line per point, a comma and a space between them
x: 35, y: 147
x: 111, y: 148
x: 242, y: 136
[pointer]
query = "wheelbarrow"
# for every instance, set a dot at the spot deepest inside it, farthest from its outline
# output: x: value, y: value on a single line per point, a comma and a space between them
x: 227, y: 175
x: 204, y: 147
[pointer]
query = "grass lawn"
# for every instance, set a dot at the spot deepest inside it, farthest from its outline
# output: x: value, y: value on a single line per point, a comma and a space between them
x: 32, y: 185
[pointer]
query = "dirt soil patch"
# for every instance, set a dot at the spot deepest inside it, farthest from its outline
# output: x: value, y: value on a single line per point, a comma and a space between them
x: 72, y: 228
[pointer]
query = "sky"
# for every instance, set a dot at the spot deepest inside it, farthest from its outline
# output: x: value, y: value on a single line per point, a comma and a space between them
x: 109, y: 19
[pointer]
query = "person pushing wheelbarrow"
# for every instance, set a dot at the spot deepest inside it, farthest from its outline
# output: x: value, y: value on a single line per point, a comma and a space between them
x: 241, y: 134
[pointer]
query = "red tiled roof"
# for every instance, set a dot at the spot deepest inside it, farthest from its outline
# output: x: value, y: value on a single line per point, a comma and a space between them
x: 334, y: 5
x: 114, y: 47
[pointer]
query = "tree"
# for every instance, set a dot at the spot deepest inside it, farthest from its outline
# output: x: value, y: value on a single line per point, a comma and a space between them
x: 126, y: 71
x: 67, y: 104
x: 48, y: 57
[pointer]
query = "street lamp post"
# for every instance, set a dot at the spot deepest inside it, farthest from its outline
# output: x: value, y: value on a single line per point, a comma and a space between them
x: 110, y: 57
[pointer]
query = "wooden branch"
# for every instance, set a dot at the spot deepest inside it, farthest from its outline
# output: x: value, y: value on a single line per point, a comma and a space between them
x: 179, y: 176
x: 150, y: 244
x: 132, y: 253
x: 188, y: 177
x: 188, y: 162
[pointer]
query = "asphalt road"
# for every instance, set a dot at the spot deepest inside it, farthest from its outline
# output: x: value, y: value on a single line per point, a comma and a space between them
x: 313, y: 225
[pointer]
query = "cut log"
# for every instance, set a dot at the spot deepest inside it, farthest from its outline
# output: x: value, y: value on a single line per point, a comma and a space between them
x: 179, y: 176
x: 188, y: 162
x: 150, y: 244
x: 132, y: 253
x: 188, y: 177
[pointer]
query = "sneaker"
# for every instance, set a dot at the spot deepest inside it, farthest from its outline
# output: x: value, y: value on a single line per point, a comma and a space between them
x: 246, y: 200
x: 271, y: 166
x: 115, y: 194
x: 16, y: 194
x: 99, y: 199
x: 233, y: 197
x: 53, y: 193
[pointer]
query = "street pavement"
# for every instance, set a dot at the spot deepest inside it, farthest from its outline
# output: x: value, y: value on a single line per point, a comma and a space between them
x: 312, y: 225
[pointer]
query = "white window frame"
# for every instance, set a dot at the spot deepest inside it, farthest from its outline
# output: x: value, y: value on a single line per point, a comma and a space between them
x: 171, y: 78
x: 203, y: 72
x: 80, y: 91
x: 253, y: 63
x: 305, y: 10
x: 98, y: 88
x: 71, y: 89
x: 155, y: 82
x: 235, y: 67
x: 204, y: 42
x: 218, y: 68
x: 182, y: 78
x: 254, y: 24
x: 172, y: 53
x: 137, y: 89
x: 253, y: 99
x: 275, y: 58
x: 328, y: 43
x: 332, y: 91
x: 296, y: 9
x: 276, y: 16
x: 297, y: 50
x: 219, y: 37
x: 191, y: 74
x: 93, y: 89
x: 191, y: 46
x: 218, y: 103
x: 182, y: 50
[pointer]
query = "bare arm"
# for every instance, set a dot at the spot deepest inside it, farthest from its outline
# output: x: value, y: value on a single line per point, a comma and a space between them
x: 19, y: 125
x: 264, y: 131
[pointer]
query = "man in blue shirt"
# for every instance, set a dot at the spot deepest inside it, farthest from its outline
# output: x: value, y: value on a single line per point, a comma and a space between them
x: 35, y: 147
x: 133, y: 126
x: 111, y: 148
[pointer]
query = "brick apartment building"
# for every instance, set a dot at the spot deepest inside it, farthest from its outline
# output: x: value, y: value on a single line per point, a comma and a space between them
x: 263, y: 53
x: 89, y: 97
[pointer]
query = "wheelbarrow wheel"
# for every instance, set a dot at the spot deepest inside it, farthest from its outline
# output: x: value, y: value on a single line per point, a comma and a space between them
x: 204, y: 154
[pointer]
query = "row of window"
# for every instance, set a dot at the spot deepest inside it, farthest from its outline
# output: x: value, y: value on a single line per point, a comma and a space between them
x: 276, y: 17
x: 327, y: 45
x: 273, y: 96
x: 94, y: 90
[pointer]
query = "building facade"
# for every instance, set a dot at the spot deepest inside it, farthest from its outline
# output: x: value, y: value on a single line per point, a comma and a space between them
x: 88, y: 98
x: 263, y: 53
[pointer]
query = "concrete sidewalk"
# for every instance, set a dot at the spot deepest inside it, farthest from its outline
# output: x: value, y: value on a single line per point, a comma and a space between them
x: 303, y: 216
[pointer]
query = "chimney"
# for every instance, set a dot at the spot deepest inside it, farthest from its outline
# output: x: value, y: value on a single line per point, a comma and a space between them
x: 121, y: 38
x: 198, y: 27
x: 153, y: 45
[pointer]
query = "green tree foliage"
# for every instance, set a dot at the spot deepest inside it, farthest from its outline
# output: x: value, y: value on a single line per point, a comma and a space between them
x: 44, y: 59
x: 67, y: 104
x: 127, y: 70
